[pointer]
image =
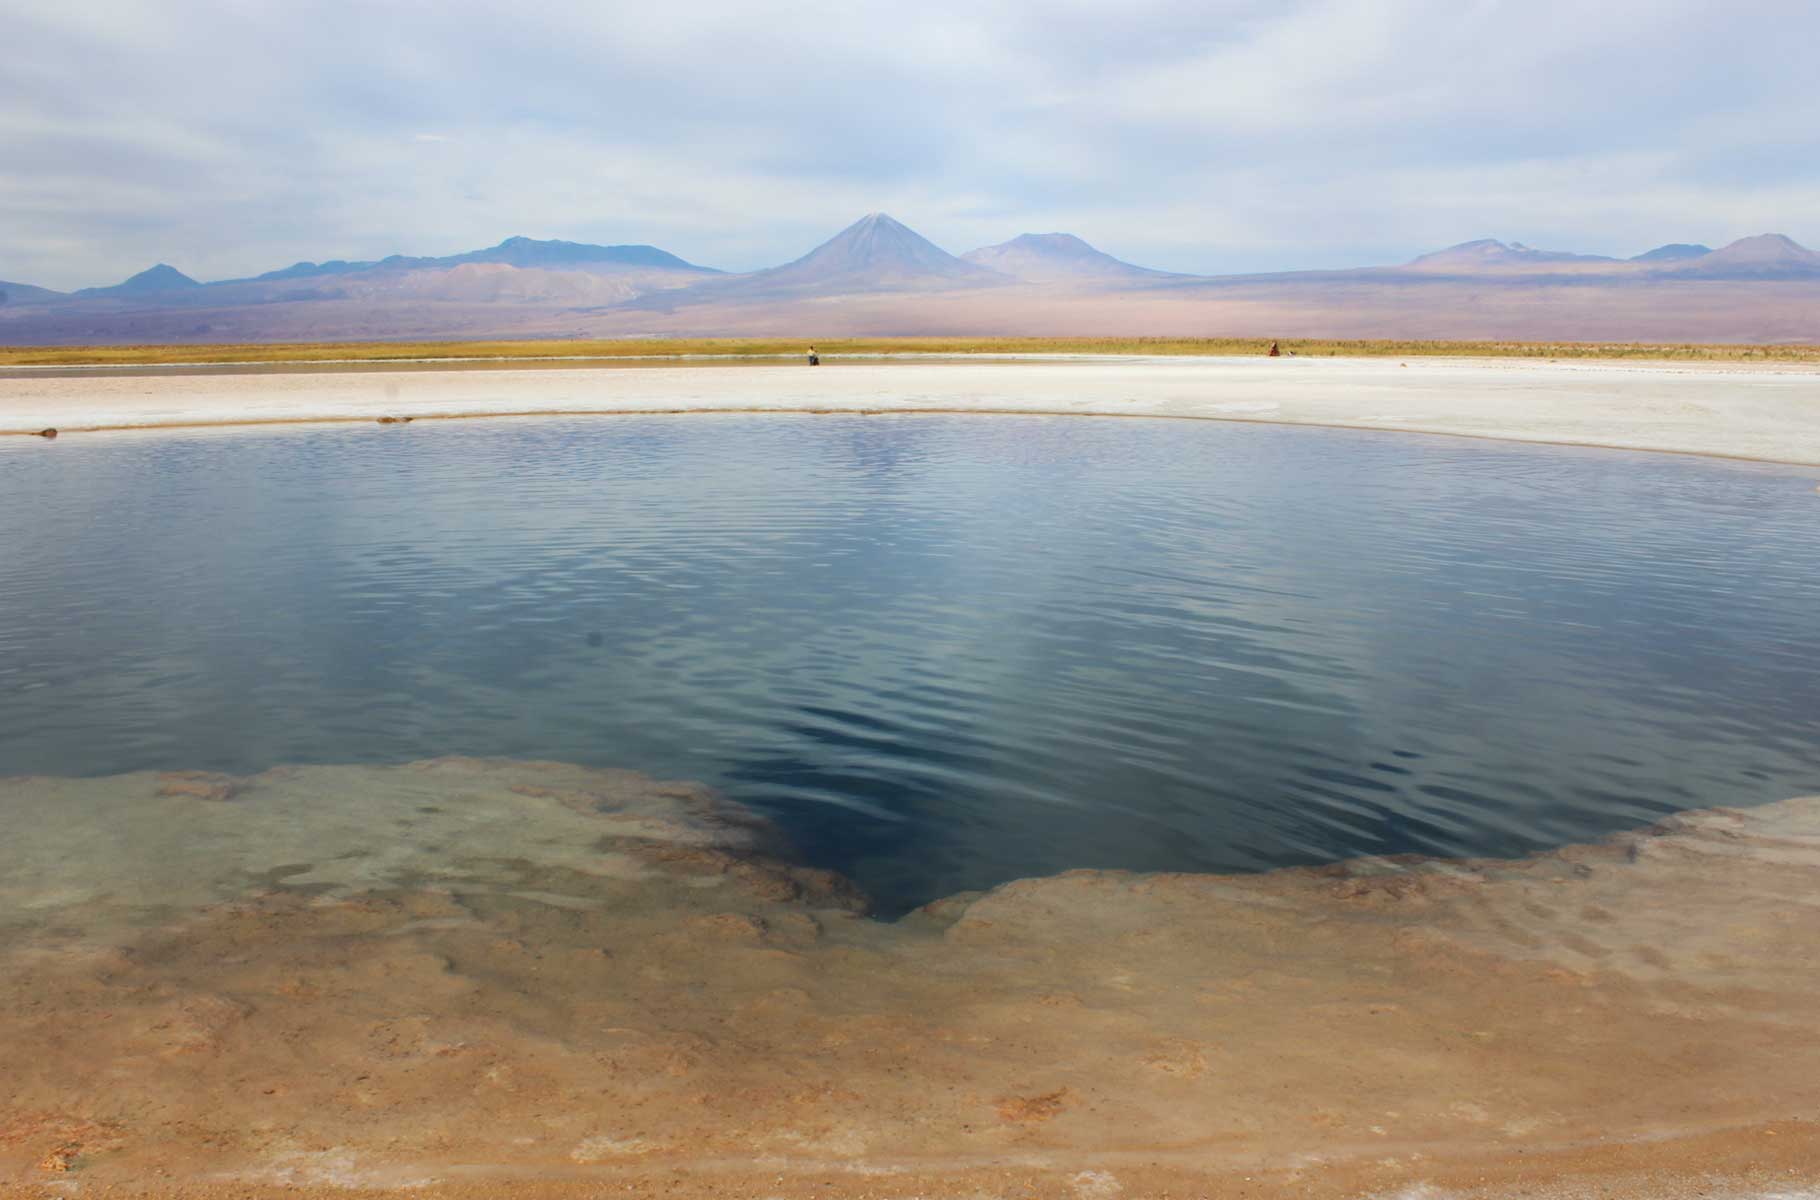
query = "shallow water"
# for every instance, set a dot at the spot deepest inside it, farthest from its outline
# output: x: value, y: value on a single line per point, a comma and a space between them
x: 940, y: 652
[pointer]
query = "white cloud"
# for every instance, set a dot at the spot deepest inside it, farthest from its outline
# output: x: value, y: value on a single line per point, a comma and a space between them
x: 232, y: 137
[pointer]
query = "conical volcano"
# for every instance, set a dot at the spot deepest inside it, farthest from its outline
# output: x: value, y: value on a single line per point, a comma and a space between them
x: 874, y: 254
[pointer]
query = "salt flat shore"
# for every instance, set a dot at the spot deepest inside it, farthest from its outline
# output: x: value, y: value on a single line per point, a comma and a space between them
x: 468, y: 978
x: 1758, y: 412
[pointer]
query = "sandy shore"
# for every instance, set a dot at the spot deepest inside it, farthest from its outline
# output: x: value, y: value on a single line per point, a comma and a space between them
x: 482, y: 978
x: 1747, y: 412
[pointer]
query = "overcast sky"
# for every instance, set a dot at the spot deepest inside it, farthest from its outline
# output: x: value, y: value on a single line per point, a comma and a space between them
x: 1204, y: 135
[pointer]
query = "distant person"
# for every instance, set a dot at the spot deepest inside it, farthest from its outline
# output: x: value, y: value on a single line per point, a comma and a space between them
x: 815, y: 360
x: 1274, y: 352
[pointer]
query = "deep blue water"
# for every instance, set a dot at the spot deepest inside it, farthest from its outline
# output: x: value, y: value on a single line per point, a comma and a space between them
x: 942, y: 651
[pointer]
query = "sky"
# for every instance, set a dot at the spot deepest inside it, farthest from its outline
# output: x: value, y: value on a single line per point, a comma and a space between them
x: 229, y: 138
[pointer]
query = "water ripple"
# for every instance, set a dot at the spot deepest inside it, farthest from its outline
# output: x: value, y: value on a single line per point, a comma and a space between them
x: 943, y: 651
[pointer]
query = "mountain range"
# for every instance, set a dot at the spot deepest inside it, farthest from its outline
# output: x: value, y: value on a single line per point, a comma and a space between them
x: 879, y: 277
x: 1766, y: 256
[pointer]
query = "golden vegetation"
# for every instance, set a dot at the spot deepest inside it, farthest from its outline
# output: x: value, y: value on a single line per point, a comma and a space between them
x: 726, y: 348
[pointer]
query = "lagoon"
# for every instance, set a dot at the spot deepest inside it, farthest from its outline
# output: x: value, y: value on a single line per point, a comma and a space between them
x: 942, y: 652
x: 903, y: 805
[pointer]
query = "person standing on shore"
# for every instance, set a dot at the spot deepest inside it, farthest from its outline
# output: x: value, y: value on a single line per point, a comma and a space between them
x: 815, y: 360
x: 1274, y: 352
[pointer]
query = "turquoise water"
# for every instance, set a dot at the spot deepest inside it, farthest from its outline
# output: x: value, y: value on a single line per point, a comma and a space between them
x: 942, y: 651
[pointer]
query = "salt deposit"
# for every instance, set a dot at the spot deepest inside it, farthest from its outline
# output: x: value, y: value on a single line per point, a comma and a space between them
x: 1770, y: 413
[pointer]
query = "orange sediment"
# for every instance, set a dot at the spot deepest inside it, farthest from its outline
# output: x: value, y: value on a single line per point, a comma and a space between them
x: 565, y: 982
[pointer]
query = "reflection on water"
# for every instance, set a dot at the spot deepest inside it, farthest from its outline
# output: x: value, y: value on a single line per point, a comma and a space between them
x: 940, y: 652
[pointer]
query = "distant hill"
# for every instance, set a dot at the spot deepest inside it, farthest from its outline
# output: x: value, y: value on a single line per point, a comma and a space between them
x: 25, y: 293
x: 1766, y: 256
x: 1673, y: 252
x: 530, y: 252
x: 1056, y: 258
x: 514, y: 251
x: 1490, y: 253
x: 161, y: 278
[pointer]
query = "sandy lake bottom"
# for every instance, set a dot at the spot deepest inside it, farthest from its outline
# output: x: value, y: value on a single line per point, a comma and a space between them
x: 484, y: 974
